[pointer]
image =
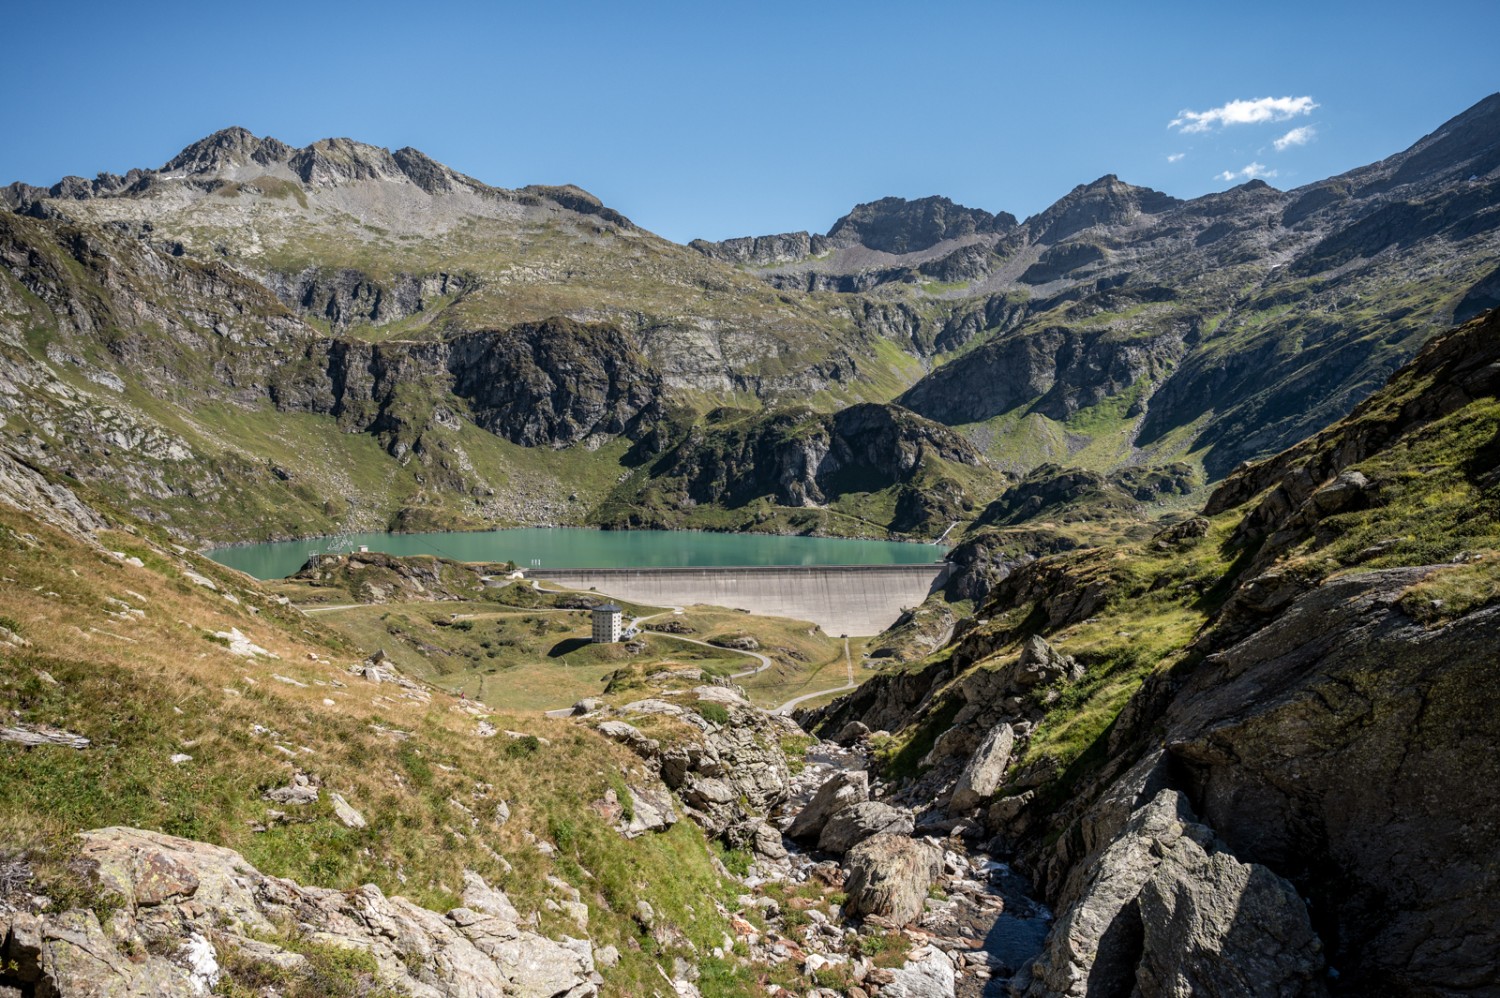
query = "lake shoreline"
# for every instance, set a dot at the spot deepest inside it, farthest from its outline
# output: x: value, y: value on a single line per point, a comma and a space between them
x: 583, y: 547
x: 205, y: 548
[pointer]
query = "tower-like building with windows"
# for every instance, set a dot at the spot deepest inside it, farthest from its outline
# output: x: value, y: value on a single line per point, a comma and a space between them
x: 608, y: 623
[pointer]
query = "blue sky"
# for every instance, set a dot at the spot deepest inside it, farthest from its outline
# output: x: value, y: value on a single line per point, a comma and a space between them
x: 715, y: 120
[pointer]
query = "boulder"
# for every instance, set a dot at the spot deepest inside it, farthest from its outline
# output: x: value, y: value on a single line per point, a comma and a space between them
x: 857, y: 822
x: 651, y: 810
x: 927, y: 973
x: 1041, y: 665
x: 759, y: 836
x: 851, y: 733
x: 630, y: 736
x: 1344, y: 493
x: 888, y: 876
x: 840, y: 791
x: 984, y: 770
x: 347, y: 815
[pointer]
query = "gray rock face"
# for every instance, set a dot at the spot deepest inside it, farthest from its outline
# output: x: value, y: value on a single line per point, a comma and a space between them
x: 843, y: 789
x: 1216, y: 927
x: 555, y: 382
x: 551, y: 383
x: 347, y: 297
x: 807, y: 458
x: 1166, y: 909
x: 1064, y: 370
x: 762, y: 251
x: 851, y: 825
x: 25, y: 488
x: 896, y: 225
x: 179, y: 894
x: 888, y: 875
x: 1347, y: 762
x: 981, y: 776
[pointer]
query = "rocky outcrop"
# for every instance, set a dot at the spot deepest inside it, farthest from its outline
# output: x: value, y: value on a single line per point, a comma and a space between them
x: 25, y: 487
x: 983, y: 558
x: 799, y: 457
x: 1460, y: 368
x: 1359, y: 729
x: 896, y: 225
x: 732, y: 771
x: 555, y: 383
x: 1107, y: 201
x: 192, y: 914
x: 1054, y: 371
x: 1165, y: 910
x: 763, y: 251
x: 888, y: 876
x: 344, y: 298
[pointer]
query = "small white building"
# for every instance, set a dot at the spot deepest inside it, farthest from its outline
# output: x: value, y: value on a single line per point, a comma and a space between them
x: 608, y: 622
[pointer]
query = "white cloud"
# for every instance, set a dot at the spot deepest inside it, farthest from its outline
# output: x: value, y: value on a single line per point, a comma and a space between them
x: 1300, y: 136
x: 1249, y: 172
x: 1244, y: 112
x: 1174, y: 157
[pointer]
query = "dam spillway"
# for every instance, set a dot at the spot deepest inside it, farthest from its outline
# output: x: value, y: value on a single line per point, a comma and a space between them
x: 841, y: 599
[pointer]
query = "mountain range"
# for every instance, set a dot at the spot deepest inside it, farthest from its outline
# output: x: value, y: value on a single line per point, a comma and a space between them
x: 457, y: 354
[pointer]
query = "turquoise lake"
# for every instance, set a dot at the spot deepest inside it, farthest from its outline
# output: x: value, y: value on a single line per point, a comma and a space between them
x: 565, y: 547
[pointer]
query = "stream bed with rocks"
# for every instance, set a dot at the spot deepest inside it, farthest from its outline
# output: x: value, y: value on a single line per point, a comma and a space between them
x: 964, y: 921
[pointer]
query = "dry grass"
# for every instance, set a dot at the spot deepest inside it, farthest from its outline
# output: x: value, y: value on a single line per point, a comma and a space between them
x: 145, y: 686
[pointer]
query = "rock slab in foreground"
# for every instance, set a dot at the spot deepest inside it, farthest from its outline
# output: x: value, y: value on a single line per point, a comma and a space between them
x: 184, y: 901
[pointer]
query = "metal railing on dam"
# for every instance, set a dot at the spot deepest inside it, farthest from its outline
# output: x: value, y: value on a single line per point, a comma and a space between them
x: 841, y: 599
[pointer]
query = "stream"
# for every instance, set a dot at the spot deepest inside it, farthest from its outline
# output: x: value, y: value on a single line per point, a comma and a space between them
x: 987, y: 920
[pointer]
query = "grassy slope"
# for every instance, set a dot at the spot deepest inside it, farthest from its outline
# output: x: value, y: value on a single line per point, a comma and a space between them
x: 145, y: 686
x: 1438, y: 503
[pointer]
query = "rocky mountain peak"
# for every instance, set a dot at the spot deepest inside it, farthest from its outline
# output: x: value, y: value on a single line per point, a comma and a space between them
x: 228, y: 147
x: 1106, y: 201
x: 426, y: 172
x: 896, y: 225
x: 330, y: 162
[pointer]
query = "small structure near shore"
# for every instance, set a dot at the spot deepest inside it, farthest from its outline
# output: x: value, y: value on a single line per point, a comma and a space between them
x: 607, y: 623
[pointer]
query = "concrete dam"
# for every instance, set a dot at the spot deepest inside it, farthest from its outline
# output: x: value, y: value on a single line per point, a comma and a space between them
x: 841, y: 599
